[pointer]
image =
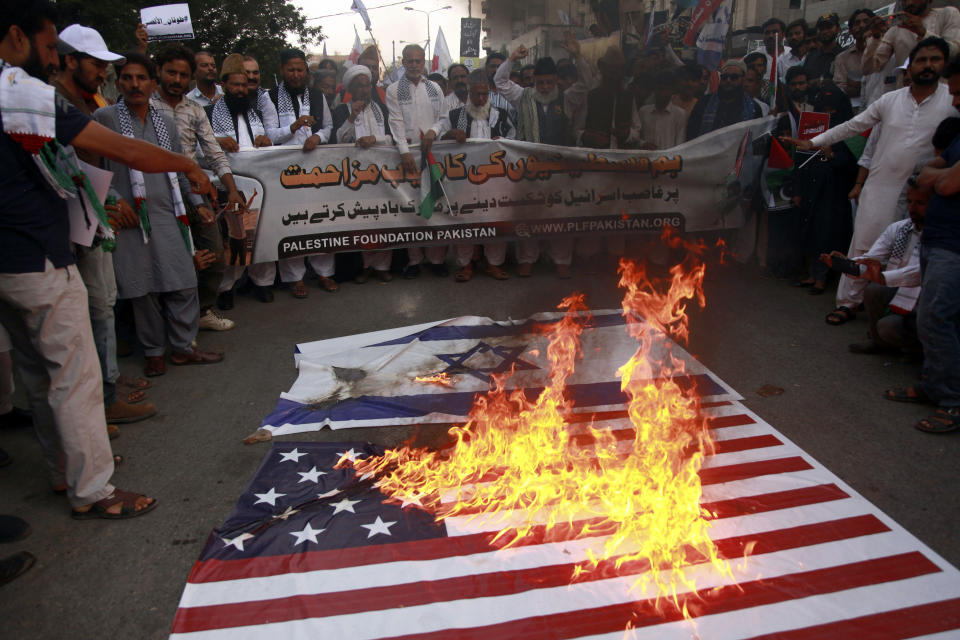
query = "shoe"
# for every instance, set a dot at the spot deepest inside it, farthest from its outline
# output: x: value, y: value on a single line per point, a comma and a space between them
x: 213, y: 321
x: 524, y: 269
x: 299, y: 290
x: 563, y: 271
x: 464, y: 274
x: 16, y: 418
x: 225, y: 301
x: 363, y: 276
x: 155, y: 366
x: 15, y: 566
x: 411, y: 272
x: 122, y: 413
x: 195, y: 357
x: 384, y: 276
x: 328, y: 284
x: 13, y: 529
x: 440, y: 270
x: 263, y: 294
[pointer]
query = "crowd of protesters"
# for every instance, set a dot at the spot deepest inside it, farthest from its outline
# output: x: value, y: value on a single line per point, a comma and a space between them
x: 879, y: 187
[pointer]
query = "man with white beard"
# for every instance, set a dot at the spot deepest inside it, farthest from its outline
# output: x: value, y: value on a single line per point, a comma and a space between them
x: 415, y: 104
x: 476, y: 119
x: 363, y: 121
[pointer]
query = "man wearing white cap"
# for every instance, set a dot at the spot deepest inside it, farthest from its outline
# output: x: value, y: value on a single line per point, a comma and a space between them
x: 363, y: 121
x: 83, y: 70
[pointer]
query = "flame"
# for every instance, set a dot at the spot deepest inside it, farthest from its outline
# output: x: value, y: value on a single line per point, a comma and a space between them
x: 516, y: 463
x: 441, y: 379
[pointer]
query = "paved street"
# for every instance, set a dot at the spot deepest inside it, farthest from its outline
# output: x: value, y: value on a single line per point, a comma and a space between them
x: 123, y: 579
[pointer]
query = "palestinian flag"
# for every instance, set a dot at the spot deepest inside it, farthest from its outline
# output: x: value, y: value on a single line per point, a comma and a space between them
x: 779, y: 157
x: 431, y: 189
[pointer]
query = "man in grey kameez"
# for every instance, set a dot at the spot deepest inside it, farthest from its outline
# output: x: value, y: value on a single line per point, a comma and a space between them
x: 154, y: 269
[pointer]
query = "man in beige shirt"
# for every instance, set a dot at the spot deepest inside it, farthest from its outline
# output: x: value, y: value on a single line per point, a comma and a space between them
x: 917, y: 21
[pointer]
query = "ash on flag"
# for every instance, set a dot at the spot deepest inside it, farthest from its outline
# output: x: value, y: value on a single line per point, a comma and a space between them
x: 371, y: 379
x: 314, y: 551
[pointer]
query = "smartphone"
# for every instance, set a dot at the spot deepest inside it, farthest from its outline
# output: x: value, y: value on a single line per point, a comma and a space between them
x: 845, y: 265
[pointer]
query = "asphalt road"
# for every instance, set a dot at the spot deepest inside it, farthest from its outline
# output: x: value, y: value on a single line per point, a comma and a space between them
x: 124, y: 579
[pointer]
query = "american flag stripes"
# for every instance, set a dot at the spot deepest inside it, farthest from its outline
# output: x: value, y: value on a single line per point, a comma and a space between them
x: 313, y: 552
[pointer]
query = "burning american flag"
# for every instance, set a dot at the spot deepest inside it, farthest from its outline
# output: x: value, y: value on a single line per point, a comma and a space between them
x: 668, y: 516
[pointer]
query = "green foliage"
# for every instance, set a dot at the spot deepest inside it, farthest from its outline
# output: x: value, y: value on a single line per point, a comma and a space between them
x: 260, y: 28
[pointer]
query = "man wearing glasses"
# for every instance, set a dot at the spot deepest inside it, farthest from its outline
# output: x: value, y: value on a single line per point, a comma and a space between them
x: 729, y: 105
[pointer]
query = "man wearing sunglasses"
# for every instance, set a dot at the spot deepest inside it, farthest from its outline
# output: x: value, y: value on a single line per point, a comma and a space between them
x: 729, y: 105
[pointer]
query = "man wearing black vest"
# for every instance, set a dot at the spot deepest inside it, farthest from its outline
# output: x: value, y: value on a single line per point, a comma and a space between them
x: 543, y: 117
x: 304, y: 113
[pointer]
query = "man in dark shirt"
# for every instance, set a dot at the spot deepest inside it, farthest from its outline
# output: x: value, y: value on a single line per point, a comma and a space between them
x: 730, y: 105
x: 43, y: 303
x: 938, y: 311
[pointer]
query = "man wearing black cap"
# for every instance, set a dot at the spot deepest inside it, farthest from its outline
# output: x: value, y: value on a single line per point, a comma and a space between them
x: 819, y: 62
x: 543, y: 117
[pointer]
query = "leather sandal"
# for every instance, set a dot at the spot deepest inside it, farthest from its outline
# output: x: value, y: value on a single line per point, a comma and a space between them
x: 464, y: 274
x: 299, y: 290
x: 495, y: 272
x: 329, y: 284
x: 155, y: 366
x: 128, y: 499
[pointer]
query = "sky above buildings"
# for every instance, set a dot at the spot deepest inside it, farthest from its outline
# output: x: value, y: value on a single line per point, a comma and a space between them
x: 389, y: 24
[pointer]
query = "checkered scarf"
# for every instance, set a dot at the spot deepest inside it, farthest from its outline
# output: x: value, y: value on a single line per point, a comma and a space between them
x: 285, y: 110
x: 224, y: 126
x: 405, y: 96
x: 900, y: 242
x: 137, y: 184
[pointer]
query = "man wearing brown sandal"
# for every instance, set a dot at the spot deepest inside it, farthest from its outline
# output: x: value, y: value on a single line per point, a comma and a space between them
x: 43, y: 303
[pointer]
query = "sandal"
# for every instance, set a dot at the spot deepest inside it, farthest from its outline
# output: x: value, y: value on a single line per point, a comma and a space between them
x: 495, y: 272
x: 464, y: 274
x: 943, y: 421
x: 914, y: 395
x: 299, y: 290
x: 328, y: 284
x: 136, y: 396
x: 133, y: 382
x: 129, y: 509
x: 840, y: 315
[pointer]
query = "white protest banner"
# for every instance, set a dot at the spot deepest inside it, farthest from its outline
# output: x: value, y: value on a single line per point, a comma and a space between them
x: 344, y: 198
x: 167, y: 22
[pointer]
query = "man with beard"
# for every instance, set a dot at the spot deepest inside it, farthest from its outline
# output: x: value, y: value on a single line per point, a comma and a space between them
x: 773, y: 36
x: 370, y: 58
x: 847, y: 70
x: 207, y: 90
x: 261, y: 100
x: 304, y: 116
x: 909, y: 117
x: 153, y: 262
x: 917, y: 21
x: 43, y: 303
x: 364, y: 122
x: 237, y: 124
x: 729, y: 105
x: 83, y: 70
x: 476, y: 119
x: 415, y: 104
x: 543, y: 117
x: 795, y: 52
x: 176, y: 66
x: 819, y: 63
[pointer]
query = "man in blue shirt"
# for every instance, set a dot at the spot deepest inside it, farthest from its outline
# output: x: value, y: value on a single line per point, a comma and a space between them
x: 43, y: 303
x: 938, y: 312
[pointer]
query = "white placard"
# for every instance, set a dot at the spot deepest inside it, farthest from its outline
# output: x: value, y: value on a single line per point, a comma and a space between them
x: 167, y: 22
x: 83, y: 220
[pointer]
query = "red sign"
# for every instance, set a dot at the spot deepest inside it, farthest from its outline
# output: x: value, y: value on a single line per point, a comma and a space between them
x: 812, y: 124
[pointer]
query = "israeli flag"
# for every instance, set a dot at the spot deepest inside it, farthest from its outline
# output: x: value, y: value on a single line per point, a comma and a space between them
x: 389, y: 377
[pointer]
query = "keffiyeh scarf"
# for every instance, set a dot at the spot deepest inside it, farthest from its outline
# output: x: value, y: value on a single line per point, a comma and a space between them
x: 747, y: 111
x: 405, y: 94
x: 221, y: 120
x: 139, y: 187
x: 29, y: 108
x: 285, y: 110
x: 369, y: 122
x: 906, y: 297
